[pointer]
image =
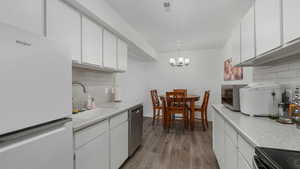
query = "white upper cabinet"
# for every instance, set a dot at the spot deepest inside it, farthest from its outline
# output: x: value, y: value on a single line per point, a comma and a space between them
x: 122, y: 55
x: 91, y: 42
x: 268, y: 25
x: 109, y: 50
x: 64, y: 26
x: 291, y: 24
x: 248, y: 36
x: 236, y: 45
x: 27, y: 15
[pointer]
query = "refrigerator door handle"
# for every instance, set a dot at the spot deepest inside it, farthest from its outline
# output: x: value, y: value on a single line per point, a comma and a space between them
x: 33, y: 130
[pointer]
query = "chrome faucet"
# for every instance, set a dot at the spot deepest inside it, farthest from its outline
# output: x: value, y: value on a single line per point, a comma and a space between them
x: 84, y: 87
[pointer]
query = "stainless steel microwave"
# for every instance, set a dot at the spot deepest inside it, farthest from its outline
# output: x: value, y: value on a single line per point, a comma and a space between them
x: 231, y: 96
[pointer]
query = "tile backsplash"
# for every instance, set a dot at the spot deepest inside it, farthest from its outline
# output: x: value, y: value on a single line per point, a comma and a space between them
x: 97, y: 84
x: 282, y: 71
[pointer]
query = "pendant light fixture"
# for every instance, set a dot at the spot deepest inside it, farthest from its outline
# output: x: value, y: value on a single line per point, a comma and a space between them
x: 178, y: 61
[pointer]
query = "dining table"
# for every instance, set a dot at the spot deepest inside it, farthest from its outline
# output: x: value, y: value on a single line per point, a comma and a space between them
x: 191, y: 101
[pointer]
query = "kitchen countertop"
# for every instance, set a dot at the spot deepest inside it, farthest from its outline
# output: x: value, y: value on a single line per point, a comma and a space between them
x: 103, y: 112
x: 262, y: 132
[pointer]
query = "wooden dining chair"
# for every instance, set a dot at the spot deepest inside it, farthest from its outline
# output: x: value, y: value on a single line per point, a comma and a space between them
x: 181, y: 91
x: 203, y: 110
x: 157, y: 107
x: 176, y: 104
x: 164, y: 111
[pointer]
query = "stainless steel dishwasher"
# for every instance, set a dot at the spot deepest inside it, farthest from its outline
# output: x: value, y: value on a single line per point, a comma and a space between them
x: 135, y: 128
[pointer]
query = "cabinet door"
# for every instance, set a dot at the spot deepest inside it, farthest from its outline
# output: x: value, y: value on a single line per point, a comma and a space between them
x: 231, y: 154
x: 94, y: 155
x: 248, y: 36
x: 118, y: 145
x: 51, y: 149
x: 243, y: 163
x: 64, y: 26
x: 236, y: 45
x: 27, y: 15
x: 109, y: 50
x: 291, y: 25
x: 268, y: 25
x: 122, y: 55
x: 91, y: 42
x: 218, y: 139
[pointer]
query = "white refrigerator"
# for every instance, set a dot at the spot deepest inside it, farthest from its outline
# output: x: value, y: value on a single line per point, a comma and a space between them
x: 35, y: 102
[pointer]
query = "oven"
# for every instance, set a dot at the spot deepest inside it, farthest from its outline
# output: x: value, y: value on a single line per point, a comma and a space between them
x: 258, y: 164
x: 270, y: 158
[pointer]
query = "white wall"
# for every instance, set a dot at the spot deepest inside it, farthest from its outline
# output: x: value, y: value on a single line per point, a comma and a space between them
x: 283, y: 71
x: 96, y: 83
x: 204, y: 73
x: 248, y: 71
x: 133, y: 82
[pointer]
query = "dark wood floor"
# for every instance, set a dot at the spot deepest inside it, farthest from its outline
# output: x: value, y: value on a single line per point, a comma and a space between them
x: 177, y: 149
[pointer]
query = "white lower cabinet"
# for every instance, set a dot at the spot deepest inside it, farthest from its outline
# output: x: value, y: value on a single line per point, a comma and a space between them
x: 219, y: 139
x: 94, y: 154
x: 232, y: 150
x: 103, y: 145
x: 119, y: 145
x: 92, y: 147
x: 231, y: 154
x: 243, y: 163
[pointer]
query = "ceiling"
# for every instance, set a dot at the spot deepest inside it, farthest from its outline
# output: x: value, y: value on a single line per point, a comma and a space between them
x: 197, y: 24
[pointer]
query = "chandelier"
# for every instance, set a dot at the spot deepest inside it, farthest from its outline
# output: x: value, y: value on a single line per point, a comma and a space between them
x: 179, y: 61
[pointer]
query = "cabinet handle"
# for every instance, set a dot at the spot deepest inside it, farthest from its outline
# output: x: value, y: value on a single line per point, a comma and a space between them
x: 23, y: 43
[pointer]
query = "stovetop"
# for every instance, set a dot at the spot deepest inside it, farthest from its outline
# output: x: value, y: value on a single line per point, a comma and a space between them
x: 279, y: 159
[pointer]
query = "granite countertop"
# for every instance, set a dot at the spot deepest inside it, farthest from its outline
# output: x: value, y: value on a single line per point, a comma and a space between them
x: 262, y: 132
x: 103, y: 112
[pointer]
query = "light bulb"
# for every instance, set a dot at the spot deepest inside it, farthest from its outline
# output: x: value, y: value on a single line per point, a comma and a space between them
x: 180, y: 61
x: 172, y: 61
x: 187, y: 61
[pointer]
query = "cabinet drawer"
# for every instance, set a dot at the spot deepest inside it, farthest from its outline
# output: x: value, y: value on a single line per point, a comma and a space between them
x: 86, y: 135
x: 231, y: 133
x: 117, y: 120
x: 245, y: 149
